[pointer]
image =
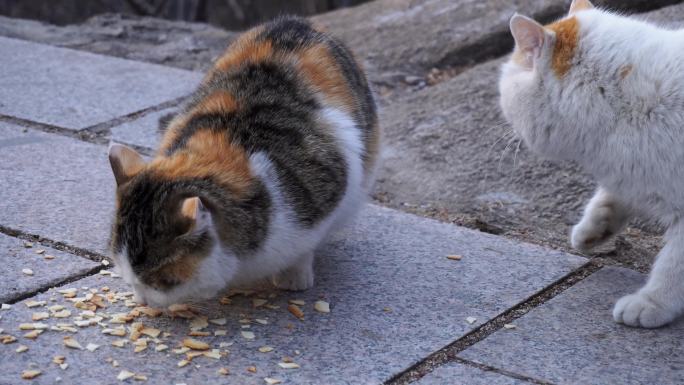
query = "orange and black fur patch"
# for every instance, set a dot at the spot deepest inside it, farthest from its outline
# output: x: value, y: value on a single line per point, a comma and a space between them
x: 264, y: 95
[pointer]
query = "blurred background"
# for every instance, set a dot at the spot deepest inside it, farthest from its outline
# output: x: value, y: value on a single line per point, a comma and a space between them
x: 227, y: 14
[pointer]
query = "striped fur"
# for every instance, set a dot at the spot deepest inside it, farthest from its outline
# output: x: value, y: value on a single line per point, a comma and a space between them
x: 279, y: 143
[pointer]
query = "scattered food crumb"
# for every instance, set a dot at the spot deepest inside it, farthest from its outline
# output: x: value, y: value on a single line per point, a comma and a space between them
x: 70, y: 342
x: 471, y: 320
x: 182, y: 363
x: 258, y: 302
x: 322, y: 307
x: 247, y: 335
x: 509, y: 326
x: 40, y: 316
x: 454, y: 257
x: 21, y: 349
x: 219, y: 321
x: 92, y: 347
x: 296, y: 311
x: 124, y: 375
x: 272, y: 381
x: 58, y: 359
x: 252, y: 369
x: 223, y: 371
x: 27, y: 271
x: 35, y: 303
x: 266, y: 349
x: 195, y: 344
x: 30, y: 374
x: 288, y: 365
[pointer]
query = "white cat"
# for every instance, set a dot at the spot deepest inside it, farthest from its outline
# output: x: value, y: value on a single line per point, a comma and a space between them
x: 607, y: 92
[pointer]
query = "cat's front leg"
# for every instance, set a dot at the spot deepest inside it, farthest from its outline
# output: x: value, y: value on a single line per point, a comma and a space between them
x: 604, y: 217
x: 661, y: 300
x: 299, y: 276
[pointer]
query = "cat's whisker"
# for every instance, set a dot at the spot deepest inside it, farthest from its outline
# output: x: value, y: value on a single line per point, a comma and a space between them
x: 517, y: 150
x: 506, y: 135
x: 503, y: 153
x: 495, y: 126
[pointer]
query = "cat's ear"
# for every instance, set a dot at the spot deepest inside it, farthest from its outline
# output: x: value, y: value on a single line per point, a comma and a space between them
x: 529, y: 38
x: 193, y: 209
x: 125, y: 161
x: 580, y: 5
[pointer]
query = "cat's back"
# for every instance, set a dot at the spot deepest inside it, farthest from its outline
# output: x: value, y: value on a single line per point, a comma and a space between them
x: 291, y: 94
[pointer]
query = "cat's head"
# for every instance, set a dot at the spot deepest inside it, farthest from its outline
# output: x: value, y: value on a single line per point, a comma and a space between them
x: 551, y: 91
x: 163, y: 240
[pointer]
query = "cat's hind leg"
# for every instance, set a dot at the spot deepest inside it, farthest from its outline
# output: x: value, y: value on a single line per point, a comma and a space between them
x: 661, y: 300
x: 604, y: 217
x: 299, y: 276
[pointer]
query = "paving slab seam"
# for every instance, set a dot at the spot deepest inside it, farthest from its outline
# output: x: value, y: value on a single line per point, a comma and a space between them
x: 57, y: 245
x: 82, y: 135
x: 99, y: 133
x: 63, y: 282
x: 450, y: 352
x: 104, y: 127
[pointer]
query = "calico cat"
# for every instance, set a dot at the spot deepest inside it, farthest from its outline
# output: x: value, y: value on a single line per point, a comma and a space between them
x: 276, y: 148
x: 607, y: 92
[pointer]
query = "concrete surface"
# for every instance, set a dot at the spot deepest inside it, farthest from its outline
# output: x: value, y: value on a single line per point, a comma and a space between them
x: 572, y: 339
x: 459, y: 374
x: 388, y: 276
x: 516, y: 196
x: 142, y: 132
x: 17, y: 255
x: 443, y: 160
x: 75, y: 90
x: 56, y: 187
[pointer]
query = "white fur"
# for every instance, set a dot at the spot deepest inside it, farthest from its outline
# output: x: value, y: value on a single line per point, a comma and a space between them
x: 627, y: 132
x: 287, y: 253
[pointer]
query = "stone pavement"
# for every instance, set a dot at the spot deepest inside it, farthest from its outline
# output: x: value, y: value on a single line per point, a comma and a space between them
x: 400, y: 311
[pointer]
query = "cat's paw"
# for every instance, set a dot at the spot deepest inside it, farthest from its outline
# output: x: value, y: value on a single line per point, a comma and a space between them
x: 296, y: 278
x: 590, y: 233
x: 639, y: 310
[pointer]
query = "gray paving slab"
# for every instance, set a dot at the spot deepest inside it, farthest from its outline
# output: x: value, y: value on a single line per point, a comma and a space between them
x: 572, y: 339
x: 395, y: 298
x: 458, y: 374
x: 55, y: 187
x: 142, y: 132
x: 15, y: 257
x: 74, y: 89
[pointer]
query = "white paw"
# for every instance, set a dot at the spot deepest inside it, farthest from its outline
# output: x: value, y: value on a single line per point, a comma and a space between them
x: 295, y: 279
x: 640, y: 310
x: 587, y: 235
